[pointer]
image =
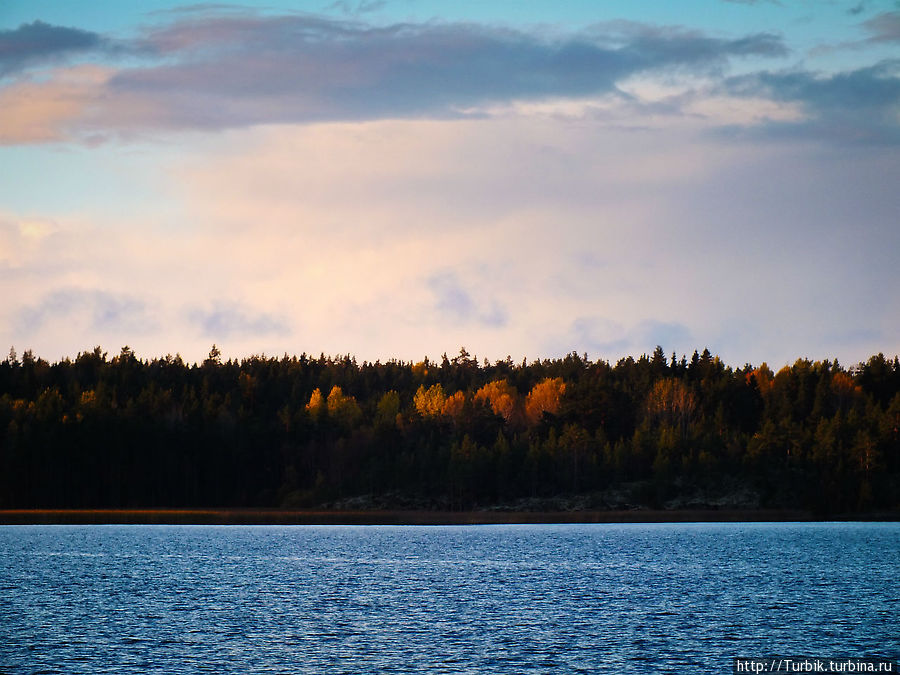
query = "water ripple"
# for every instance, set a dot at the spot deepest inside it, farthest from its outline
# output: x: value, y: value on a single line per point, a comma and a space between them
x: 674, y: 598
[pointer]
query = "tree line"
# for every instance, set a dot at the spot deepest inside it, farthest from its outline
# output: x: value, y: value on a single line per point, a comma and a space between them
x: 120, y: 431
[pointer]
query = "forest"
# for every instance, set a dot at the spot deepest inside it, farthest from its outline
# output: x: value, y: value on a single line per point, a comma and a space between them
x: 454, y: 434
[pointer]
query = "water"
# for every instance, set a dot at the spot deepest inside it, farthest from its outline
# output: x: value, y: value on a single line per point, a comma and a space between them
x: 670, y: 598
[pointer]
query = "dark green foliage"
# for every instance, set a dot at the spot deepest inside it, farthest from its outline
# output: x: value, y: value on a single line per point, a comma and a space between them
x: 123, y: 432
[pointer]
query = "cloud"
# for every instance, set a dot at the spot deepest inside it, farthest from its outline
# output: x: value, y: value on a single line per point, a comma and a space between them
x: 454, y: 302
x: 226, y: 71
x: 40, y: 43
x: 202, y: 7
x: 212, y: 70
x: 884, y: 27
x: 229, y: 320
x: 21, y: 239
x: 537, y: 238
x: 668, y: 334
x: 360, y: 7
x: 363, y: 224
x: 94, y: 309
x: 303, y: 68
x: 607, y: 338
x: 598, y: 334
x: 858, y: 106
x: 35, y: 112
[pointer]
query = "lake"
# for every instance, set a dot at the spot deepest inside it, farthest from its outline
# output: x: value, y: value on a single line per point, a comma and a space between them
x: 630, y: 598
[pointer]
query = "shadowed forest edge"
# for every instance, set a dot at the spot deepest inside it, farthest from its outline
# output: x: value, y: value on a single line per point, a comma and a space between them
x: 561, y: 434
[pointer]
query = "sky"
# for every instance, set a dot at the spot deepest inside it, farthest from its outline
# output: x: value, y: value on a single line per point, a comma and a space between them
x: 403, y: 178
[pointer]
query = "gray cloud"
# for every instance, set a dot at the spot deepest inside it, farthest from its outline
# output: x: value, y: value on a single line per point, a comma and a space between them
x: 39, y: 43
x: 668, y: 334
x: 360, y: 7
x: 453, y: 301
x: 202, y: 7
x: 102, y: 310
x: 220, y: 70
x: 604, y: 337
x: 599, y: 335
x: 857, y: 106
x: 229, y: 320
x: 884, y: 27
x: 450, y: 297
x: 230, y: 71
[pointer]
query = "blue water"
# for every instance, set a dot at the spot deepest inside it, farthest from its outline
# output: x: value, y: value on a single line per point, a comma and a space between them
x: 636, y: 598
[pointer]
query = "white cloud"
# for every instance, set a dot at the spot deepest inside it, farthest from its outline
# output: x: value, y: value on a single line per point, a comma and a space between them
x: 529, y: 236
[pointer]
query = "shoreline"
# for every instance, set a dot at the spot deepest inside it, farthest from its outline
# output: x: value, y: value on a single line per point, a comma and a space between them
x: 262, y: 516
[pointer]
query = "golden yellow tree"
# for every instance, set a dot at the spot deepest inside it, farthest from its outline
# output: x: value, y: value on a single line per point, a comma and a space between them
x: 316, y: 404
x: 429, y: 402
x: 343, y: 409
x: 387, y: 410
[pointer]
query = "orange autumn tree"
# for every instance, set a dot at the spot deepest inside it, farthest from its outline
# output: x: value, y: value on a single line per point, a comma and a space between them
x: 453, y: 406
x: 845, y: 391
x: 764, y: 378
x: 502, y: 398
x: 545, y: 397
